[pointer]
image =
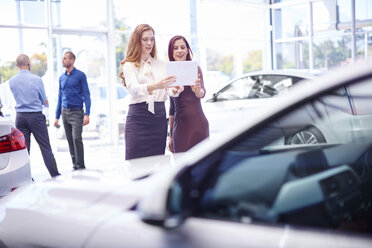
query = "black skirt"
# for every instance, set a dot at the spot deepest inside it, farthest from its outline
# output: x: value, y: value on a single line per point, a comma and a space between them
x: 145, y: 132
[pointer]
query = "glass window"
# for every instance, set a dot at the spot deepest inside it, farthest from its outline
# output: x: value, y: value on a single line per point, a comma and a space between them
x: 230, y: 48
x: 9, y: 50
x: 90, y: 14
x: 363, y: 10
x: 253, y: 60
x: 8, y: 12
x: 91, y: 58
x: 33, y: 43
x: 131, y: 13
x: 364, y: 45
x: 22, y: 12
x: 331, y: 52
x: 344, y: 8
x: 324, y: 183
x: 90, y: 54
x: 331, y: 15
x: 121, y: 43
x: 128, y: 14
x: 121, y: 92
x: 33, y: 12
x: 292, y: 55
x: 292, y: 21
x: 35, y: 46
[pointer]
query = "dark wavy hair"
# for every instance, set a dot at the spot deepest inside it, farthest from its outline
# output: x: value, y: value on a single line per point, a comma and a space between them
x: 171, y: 47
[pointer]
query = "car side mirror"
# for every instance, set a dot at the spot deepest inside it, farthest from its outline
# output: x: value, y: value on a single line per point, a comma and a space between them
x: 163, y: 206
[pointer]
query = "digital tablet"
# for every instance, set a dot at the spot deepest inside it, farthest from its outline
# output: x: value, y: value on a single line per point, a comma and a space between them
x: 186, y: 72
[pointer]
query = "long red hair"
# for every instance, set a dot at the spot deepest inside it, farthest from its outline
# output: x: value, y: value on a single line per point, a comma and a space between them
x: 135, y: 49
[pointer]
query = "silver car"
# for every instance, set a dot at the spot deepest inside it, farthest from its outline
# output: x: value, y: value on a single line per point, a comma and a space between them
x: 14, y: 159
x: 241, y: 189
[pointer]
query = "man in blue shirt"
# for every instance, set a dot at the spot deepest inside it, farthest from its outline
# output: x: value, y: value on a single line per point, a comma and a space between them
x: 29, y: 94
x: 72, y: 95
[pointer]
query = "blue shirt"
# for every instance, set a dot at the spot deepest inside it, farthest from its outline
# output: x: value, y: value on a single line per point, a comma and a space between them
x: 73, y: 92
x: 28, y: 91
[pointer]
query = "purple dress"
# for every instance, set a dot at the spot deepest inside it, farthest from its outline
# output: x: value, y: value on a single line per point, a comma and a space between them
x: 190, y: 125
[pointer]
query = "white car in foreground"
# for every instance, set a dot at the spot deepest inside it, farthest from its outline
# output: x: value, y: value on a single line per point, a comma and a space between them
x: 14, y: 159
x: 242, y: 189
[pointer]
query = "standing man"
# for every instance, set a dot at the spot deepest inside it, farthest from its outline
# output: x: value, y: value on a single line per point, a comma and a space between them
x: 72, y: 95
x: 29, y: 94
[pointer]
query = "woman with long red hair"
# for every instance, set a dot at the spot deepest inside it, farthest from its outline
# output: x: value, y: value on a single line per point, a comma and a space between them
x: 144, y: 76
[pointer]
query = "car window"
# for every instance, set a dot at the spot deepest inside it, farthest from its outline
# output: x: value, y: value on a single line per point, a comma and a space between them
x: 239, y: 89
x: 260, y: 178
x: 282, y: 83
x: 271, y: 85
x: 257, y: 86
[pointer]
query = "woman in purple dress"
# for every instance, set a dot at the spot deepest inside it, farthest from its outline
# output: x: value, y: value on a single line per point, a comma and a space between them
x: 188, y: 124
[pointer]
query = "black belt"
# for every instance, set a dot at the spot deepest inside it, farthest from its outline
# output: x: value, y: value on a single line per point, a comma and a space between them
x: 72, y: 109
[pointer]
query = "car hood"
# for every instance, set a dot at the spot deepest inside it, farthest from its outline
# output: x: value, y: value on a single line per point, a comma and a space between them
x: 80, y: 202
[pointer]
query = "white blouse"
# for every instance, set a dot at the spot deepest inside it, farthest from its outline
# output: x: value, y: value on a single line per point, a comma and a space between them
x: 137, y: 79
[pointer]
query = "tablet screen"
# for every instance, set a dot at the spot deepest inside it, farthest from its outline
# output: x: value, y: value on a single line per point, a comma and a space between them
x: 186, y: 72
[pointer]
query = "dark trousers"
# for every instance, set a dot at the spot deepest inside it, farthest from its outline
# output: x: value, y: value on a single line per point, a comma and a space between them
x: 35, y: 123
x: 73, y: 124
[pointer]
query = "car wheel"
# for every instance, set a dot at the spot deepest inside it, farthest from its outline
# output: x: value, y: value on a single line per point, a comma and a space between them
x: 310, y: 135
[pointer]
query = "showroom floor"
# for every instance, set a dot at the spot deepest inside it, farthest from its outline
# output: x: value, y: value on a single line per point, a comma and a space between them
x: 96, y: 157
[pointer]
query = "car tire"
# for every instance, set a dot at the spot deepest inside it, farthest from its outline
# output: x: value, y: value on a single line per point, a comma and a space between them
x: 310, y: 135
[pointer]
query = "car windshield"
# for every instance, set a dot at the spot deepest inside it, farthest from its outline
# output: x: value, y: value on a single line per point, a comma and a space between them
x: 257, y: 86
x: 310, y: 167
